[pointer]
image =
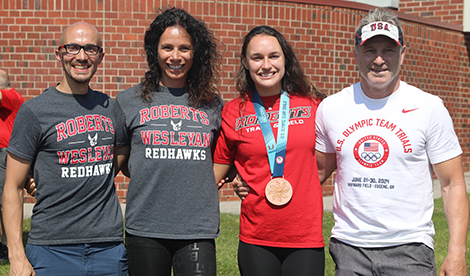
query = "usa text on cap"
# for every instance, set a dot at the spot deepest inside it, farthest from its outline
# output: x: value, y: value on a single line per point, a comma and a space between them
x: 379, y: 28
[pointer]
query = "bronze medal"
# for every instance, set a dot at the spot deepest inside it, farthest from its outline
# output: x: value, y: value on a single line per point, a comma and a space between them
x: 278, y: 191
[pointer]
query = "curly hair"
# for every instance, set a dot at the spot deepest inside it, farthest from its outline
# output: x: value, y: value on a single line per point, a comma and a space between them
x: 204, y: 73
x: 294, y: 80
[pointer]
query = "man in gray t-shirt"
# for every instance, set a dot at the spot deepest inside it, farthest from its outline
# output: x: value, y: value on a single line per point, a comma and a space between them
x: 66, y: 138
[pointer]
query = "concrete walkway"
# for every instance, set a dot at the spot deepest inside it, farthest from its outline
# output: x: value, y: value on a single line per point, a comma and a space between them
x: 233, y: 207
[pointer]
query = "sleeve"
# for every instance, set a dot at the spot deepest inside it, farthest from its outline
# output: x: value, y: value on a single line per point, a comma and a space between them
x: 224, y: 150
x: 26, y: 135
x: 219, y: 107
x: 322, y: 143
x: 120, y: 127
x: 442, y: 143
x: 11, y: 100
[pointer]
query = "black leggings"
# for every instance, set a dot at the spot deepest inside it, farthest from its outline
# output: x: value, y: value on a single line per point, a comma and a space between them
x: 255, y: 260
x: 149, y: 256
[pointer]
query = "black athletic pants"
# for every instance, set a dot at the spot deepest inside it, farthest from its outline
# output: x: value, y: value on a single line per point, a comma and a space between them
x: 255, y: 260
x: 149, y: 256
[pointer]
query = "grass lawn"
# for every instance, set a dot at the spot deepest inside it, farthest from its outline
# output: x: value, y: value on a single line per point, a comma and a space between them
x: 227, y: 243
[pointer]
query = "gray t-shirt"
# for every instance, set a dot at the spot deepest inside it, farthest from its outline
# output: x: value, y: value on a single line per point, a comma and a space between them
x: 70, y: 141
x: 172, y: 191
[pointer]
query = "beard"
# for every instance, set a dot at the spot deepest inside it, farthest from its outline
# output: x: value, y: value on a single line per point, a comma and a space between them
x: 76, y: 77
x: 81, y: 80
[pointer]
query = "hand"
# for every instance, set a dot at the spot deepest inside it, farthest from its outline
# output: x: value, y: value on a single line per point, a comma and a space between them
x: 221, y: 183
x: 30, y: 186
x: 240, y: 187
x: 21, y: 267
x: 453, y: 266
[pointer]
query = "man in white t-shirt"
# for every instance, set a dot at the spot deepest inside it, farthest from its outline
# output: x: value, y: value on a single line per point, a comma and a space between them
x: 385, y: 138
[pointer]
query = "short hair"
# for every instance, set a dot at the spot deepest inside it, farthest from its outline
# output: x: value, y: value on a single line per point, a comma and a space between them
x: 379, y: 14
x: 204, y: 73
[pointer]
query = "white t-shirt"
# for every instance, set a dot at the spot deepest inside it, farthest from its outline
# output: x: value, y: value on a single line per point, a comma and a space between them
x: 383, y: 194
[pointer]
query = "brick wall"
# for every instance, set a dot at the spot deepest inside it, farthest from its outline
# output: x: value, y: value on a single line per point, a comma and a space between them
x: 450, y: 11
x: 322, y: 36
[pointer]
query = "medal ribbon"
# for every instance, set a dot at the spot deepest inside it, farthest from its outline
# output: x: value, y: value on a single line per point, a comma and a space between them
x: 276, y: 151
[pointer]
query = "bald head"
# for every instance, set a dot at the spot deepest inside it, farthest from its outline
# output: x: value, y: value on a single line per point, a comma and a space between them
x: 79, y: 67
x: 4, y: 80
x: 82, y: 31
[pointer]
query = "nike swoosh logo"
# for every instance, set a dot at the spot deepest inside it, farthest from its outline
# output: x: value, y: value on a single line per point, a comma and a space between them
x: 409, y: 110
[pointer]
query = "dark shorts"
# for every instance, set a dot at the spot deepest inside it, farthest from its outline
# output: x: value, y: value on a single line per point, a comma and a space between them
x: 409, y: 259
x: 95, y: 259
x: 3, y: 167
x: 151, y: 256
x: 256, y: 260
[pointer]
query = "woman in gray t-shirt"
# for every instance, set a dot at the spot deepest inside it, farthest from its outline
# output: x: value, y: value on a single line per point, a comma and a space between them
x: 165, y: 131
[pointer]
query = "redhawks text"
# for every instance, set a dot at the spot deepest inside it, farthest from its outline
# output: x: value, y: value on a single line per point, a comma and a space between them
x: 86, y: 156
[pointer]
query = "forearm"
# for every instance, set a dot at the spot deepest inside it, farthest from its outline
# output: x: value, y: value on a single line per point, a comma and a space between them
x: 456, y: 208
x: 220, y: 171
x: 16, y: 173
x: 13, y: 219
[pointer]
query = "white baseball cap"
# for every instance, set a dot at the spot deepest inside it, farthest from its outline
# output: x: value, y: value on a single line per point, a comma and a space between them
x: 379, y: 28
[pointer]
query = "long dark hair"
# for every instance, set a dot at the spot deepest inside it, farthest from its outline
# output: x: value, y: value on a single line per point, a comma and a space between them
x: 294, y: 80
x: 204, y: 73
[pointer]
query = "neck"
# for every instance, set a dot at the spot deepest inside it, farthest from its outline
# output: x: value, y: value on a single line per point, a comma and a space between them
x: 263, y: 92
x: 173, y: 84
x: 379, y: 91
x: 72, y: 87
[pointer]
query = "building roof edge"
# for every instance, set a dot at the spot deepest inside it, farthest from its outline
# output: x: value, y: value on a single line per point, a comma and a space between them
x: 365, y: 7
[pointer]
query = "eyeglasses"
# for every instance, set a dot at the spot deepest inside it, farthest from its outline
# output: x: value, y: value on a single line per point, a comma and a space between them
x: 74, y: 49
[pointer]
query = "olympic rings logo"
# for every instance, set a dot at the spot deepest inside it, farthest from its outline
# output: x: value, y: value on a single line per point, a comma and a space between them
x: 375, y: 155
x: 371, y: 156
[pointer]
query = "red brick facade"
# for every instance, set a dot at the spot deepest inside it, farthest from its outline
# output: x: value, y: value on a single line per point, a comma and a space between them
x: 450, y: 11
x: 321, y: 33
